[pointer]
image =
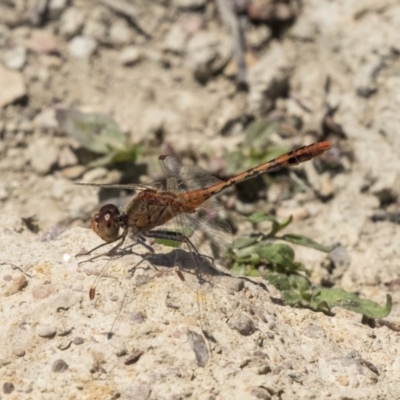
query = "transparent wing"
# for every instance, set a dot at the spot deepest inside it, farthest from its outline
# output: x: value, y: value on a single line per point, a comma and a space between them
x: 133, y: 186
x: 183, y: 178
x: 207, y: 232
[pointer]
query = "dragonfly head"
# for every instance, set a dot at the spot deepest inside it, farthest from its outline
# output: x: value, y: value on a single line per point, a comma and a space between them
x: 105, y: 223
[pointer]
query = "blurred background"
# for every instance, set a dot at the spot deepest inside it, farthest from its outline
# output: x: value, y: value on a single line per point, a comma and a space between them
x: 95, y: 91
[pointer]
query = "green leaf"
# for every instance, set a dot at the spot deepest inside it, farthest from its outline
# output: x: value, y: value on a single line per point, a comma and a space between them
x: 243, y: 242
x: 306, y: 242
x: 279, y: 254
x: 277, y: 279
x: 257, y: 217
x: 168, y: 242
x: 99, y: 134
x: 298, y: 291
x: 351, y: 302
x: 248, y: 255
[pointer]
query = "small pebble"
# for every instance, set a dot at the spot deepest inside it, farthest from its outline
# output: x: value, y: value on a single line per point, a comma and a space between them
x: 340, y: 256
x: 120, y: 33
x: 130, y: 56
x: 42, y: 291
x: 19, y: 351
x: 16, y: 285
x: 242, y: 323
x: 59, y: 366
x: 56, y: 7
x: 233, y: 284
x: 82, y: 47
x: 96, y: 30
x: 133, y: 357
x: 74, y: 172
x: 190, y: 4
x: 137, y: 317
x: 42, y: 41
x: 175, y: 40
x: 199, y: 347
x: 47, y: 331
x: 43, y: 145
x: 12, y: 84
x: 8, y: 387
x: 78, y: 340
x: 261, y: 393
x: 46, y: 120
x: 15, y: 58
x: 64, y: 345
x: 72, y: 22
x: 67, y: 157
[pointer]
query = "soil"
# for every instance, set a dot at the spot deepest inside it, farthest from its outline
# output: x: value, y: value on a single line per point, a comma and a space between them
x: 178, y: 79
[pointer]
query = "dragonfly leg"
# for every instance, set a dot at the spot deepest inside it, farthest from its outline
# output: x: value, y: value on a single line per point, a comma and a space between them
x: 111, y: 252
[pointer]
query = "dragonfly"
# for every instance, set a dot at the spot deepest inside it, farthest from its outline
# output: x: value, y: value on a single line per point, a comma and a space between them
x: 187, y: 199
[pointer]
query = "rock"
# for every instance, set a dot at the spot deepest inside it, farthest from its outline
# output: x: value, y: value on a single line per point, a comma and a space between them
x: 16, y: 285
x: 175, y: 40
x: 268, y: 79
x: 190, y: 4
x: 59, y: 366
x: 242, y: 323
x: 133, y: 357
x: 67, y: 158
x: 130, y: 56
x: 64, y: 344
x: 15, y: 58
x: 43, y: 42
x: 96, y: 30
x: 42, y: 291
x: 260, y: 393
x: 8, y: 387
x: 47, y: 331
x: 137, y: 390
x: 258, y: 36
x: 12, y: 86
x: 56, y: 7
x: 65, y: 300
x: 365, y: 77
x: 207, y: 54
x: 19, y: 351
x: 72, y: 22
x: 46, y: 120
x: 43, y: 145
x: 120, y: 33
x: 199, y: 347
x: 95, y: 174
x: 266, y: 10
x: 82, y: 47
x: 73, y: 172
x: 78, y: 340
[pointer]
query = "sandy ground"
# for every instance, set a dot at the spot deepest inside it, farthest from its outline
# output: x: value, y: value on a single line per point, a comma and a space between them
x: 326, y: 70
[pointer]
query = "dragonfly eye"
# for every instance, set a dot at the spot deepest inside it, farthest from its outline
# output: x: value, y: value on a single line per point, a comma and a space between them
x: 105, y: 223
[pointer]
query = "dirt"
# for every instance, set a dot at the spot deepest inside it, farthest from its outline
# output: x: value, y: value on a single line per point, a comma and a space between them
x: 165, y: 73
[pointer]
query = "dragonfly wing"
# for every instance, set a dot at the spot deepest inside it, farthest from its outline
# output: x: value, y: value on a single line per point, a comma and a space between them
x: 133, y: 186
x: 206, y: 231
x: 183, y: 178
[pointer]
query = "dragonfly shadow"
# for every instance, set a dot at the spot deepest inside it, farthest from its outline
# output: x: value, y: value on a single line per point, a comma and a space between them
x: 196, y: 264
x: 189, y: 262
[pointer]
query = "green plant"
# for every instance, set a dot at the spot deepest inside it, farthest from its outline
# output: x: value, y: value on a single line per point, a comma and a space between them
x: 249, y: 253
x: 98, y: 134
